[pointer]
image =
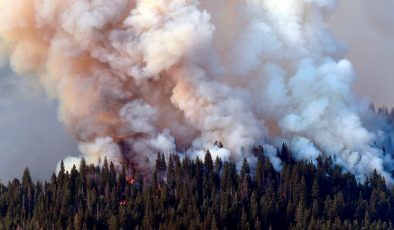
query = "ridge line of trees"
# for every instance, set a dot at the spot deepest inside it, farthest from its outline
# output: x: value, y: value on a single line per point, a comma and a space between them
x: 199, y: 194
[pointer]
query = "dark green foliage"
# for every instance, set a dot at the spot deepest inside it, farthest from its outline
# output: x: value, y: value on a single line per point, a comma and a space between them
x: 196, y: 194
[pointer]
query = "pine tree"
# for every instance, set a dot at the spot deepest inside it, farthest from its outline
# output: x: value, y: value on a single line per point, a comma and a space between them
x: 27, y: 191
x: 259, y: 174
x: 61, y: 173
x: 171, y: 173
x: 315, y: 189
x: 245, y: 179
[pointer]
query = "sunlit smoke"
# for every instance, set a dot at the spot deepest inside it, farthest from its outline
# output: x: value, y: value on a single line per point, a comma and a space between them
x: 136, y: 77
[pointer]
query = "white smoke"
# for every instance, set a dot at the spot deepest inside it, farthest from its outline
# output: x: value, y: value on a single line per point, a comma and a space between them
x: 137, y: 77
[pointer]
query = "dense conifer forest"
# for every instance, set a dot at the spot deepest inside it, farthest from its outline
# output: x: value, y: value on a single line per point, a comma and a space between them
x: 199, y: 194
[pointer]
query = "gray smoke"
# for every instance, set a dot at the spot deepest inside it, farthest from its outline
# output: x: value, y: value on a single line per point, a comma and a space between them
x: 153, y: 75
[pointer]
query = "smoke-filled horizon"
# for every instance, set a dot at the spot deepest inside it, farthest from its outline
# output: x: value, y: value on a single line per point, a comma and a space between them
x: 30, y: 134
x: 136, y: 77
x: 367, y: 29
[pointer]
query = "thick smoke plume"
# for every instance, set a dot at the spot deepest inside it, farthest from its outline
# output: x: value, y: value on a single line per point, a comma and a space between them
x: 134, y: 77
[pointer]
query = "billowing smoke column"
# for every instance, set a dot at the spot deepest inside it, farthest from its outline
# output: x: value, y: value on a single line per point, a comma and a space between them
x: 134, y: 77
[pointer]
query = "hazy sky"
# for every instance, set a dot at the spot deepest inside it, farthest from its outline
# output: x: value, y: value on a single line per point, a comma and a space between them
x: 31, y: 135
x: 367, y: 27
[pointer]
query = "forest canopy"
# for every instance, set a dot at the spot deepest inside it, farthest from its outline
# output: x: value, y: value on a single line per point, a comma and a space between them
x: 199, y: 194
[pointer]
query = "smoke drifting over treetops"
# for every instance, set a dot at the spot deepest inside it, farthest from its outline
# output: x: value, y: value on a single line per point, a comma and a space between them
x: 136, y: 77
